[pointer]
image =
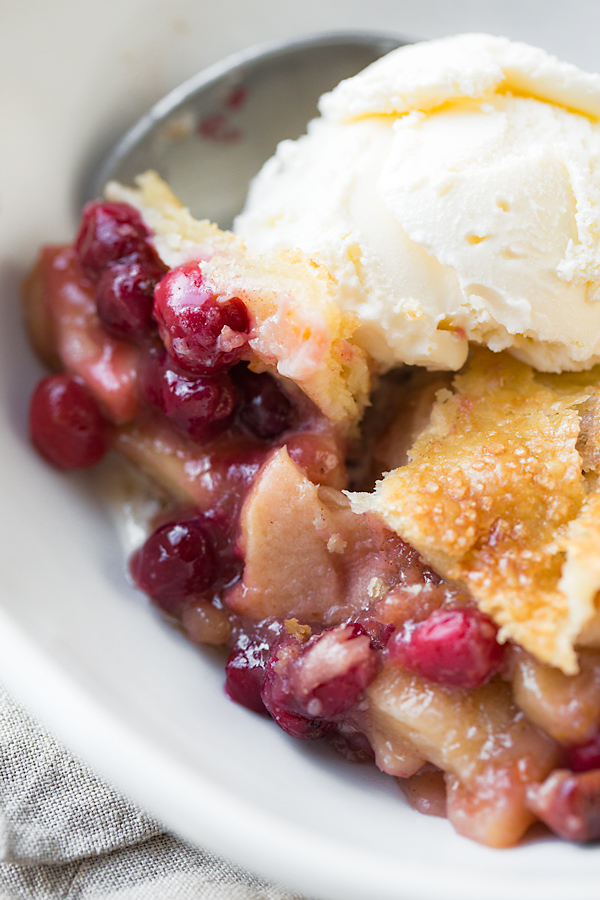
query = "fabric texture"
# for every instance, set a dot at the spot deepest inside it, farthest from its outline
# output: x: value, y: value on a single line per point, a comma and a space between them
x: 66, y: 835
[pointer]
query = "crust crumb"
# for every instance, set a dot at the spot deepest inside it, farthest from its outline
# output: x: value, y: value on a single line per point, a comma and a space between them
x: 297, y: 630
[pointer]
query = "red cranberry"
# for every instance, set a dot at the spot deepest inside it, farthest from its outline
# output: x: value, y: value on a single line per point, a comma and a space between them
x: 176, y: 561
x: 322, y: 678
x: 125, y: 296
x: 108, y: 233
x: 300, y: 727
x: 456, y: 647
x: 245, y: 669
x: 276, y: 699
x: 265, y: 410
x: 569, y: 804
x: 584, y: 757
x: 201, y: 407
x: 245, y: 672
x: 151, y: 374
x: 201, y: 333
x: 379, y: 632
x: 334, y: 668
x: 66, y: 424
x: 234, y: 466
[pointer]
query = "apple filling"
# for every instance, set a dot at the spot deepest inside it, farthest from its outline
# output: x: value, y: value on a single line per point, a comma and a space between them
x: 401, y: 624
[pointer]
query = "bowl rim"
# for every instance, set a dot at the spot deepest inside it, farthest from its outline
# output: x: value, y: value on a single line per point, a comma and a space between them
x: 231, y: 66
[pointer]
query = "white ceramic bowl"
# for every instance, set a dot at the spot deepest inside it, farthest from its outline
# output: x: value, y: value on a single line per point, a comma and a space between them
x: 82, y: 649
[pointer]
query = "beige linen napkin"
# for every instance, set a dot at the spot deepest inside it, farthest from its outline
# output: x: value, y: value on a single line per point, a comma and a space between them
x: 66, y: 835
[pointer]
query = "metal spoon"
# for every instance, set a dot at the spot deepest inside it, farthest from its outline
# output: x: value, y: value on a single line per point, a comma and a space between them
x: 210, y: 136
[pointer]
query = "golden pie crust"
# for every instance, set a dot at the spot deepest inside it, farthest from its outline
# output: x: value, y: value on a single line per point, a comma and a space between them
x: 501, y: 495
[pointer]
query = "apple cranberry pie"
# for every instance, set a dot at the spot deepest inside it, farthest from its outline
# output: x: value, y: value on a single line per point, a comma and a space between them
x: 443, y: 619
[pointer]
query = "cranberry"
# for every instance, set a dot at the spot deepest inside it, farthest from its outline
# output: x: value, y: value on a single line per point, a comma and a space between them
x: 176, y: 561
x: 234, y: 468
x: 151, y: 374
x: 584, y: 757
x: 108, y: 233
x: 300, y: 727
x: 456, y: 647
x: 223, y: 523
x: 245, y: 672
x: 125, y: 295
x: 66, y: 424
x: 201, y: 333
x: 276, y: 700
x: 265, y: 410
x: 245, y: 668
x: 201, y: 407
x: 321, y: 679
x: 379, y: 632
x: 336, y: 667
x: 569, y: 804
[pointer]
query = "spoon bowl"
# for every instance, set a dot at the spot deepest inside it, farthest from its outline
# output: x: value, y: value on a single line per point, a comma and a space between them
x: 209, y: 137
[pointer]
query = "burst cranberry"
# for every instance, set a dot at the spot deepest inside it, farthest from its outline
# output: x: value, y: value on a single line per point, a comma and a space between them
x: 202, y: 333
x: 333, y: 669
x: 125, y: 296
x: 265, y: 410
x: 584, y: 757
x: 108, y: 233
x: 455, y: 647
x: 321, y: 679
x: 276, y: 698
x: 201, y: 407
x: 176, y: 561
x: 379, y: 632
x: 569, y: 804
x: 300, y: 727
x: 66, y: 424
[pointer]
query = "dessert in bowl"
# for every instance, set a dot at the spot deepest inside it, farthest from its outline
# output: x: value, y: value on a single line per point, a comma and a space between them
x: 370, y: 420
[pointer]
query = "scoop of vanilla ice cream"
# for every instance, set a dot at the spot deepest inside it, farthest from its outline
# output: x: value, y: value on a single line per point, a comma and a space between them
x: 453, y: 191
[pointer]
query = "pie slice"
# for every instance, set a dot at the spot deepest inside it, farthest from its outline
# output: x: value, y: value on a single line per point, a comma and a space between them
x: 434, y: 623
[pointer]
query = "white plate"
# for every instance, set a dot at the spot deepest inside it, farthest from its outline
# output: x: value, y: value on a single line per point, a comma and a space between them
x: 76, y: 643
